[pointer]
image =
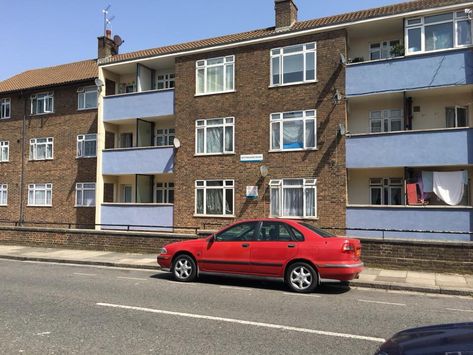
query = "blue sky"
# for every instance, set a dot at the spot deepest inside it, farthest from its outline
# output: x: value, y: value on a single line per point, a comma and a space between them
x: 49, y: 32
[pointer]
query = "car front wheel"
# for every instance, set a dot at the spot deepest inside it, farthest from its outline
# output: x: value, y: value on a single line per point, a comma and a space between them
x: 301, y: 277
x: 184, y: 268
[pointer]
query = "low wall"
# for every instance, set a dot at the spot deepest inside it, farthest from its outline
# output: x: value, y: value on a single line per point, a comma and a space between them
x: 453, y: 257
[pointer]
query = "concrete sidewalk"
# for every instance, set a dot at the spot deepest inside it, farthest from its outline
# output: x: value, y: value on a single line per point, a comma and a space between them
x: 453, y: 284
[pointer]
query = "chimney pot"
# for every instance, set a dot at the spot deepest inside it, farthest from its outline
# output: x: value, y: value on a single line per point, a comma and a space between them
x: 106, y: 45
x: 286, y: 13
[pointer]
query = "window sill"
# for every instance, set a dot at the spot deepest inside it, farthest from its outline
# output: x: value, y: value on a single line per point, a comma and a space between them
x: 78, y: 206
x: 87, y: 109
x: 41, y: 114
x: 293, y: 84
x: 216, y: 93
x: 5, y: 118
x: 91, y: 157
x: 297, y: 218
x: 213, y: 216
x: 3, y: 205
x: 40, y: 206
x: 4, y: 161
x: 32, y: 160
x: 213, y: 154
x: 294, y: 150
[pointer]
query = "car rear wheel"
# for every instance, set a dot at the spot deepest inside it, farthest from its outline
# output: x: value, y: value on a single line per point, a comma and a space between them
x: 184, y: 268
x: 301, y: 277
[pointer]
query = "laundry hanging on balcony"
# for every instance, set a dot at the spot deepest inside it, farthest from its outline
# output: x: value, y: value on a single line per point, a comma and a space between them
x: 449, y: 186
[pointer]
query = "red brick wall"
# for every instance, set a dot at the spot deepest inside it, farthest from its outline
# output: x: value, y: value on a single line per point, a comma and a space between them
x: 63, y: 171
x: 251, y: 105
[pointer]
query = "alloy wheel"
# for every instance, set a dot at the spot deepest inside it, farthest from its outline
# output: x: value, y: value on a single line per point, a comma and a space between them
x: 301, y: 278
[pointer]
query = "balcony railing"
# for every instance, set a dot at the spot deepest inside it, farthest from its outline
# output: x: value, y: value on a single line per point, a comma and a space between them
x: 410, y: 148
x: 142, y: 160
x: 138, y: 105
x: 447, y: 68
x: 132, y: 216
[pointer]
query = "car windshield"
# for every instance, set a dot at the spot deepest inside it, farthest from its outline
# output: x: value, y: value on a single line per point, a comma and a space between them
x: 319, y: 231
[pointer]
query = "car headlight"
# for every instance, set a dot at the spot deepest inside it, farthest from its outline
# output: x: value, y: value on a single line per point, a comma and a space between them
x: 163, y: 251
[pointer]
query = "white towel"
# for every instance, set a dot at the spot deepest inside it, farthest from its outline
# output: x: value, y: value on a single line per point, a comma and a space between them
x: 449, y: 186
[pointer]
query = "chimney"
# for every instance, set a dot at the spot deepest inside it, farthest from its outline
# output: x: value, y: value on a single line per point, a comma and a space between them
x: 286, y: 13
x: 106, y: 45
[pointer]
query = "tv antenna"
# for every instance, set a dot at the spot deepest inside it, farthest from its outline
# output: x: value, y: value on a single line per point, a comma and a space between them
x: 106, y: 20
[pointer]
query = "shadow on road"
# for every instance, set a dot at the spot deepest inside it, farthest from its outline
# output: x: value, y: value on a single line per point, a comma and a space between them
x: 235, y: 281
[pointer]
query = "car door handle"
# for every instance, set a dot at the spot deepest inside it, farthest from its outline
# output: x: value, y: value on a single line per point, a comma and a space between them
x: 291, y: 245
x: 245, y: 245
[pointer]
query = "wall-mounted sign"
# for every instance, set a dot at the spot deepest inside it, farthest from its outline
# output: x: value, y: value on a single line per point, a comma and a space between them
x: 252, y: 192
x: 251, y: 158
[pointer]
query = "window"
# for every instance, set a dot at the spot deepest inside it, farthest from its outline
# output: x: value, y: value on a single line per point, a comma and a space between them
x: 386, y: 191
x: 3, y: 194
x: 214, y: 136
x: 275, y: 232
x: 41, y: 148
x: 457, y: 116
x: 214, y: 197
x: 166, y: 81
x: 293, y: 64
x: 321, y: 232
x: 382, y: 50
x: 127, y: 194
x: 40, y: 194
x: 240, y: 232
x: 87, y: 98
x: 442, y: 31
x: 215, y: 75
x: 85, y: 194
x: 164, y: 192
x: 5, y: 108
x: 86, y: 145
x: 42, y: 103
x: 165, y: 136
x: 126, y: 140
x: 293, y: 130
x: 385, y: 121
x: 4, y: 151
x: 293, y: 198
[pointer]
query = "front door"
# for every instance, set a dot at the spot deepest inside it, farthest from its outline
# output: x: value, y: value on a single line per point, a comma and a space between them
x: 229, y: 250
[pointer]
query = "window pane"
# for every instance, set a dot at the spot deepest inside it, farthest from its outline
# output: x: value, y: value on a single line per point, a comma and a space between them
x: 91, y: 99
x: 159, y: 196
x: 310, y: 134
x: 375, y: 126
x: 200, y: 201
x: 293, y: 68
x: 464, y: 32
x: 439, y: 36
x: 462, y: 117
x: 215, y: 140
x: 90, y: 148
x: 376, y: 195
x: 215, y: 79
x: 229, y: 77
x: 228, y: 139
x: 396, y: 125
x: 414, y: 40
x: 89, y: 198
x: 438, y: 18
x: 215, y: 183
x: 242, y: 231
x: 171, y: 196
x: 310, y: 202
x: 200, y: 81
x: 200, y: 141
x: 275, y: 68
x: 310, y: 66
x: 214, y: 201
x: 293, y: 134
x: 293, y: 49
x: 275, y: 139
x: 395, y: 196
x: 274, y: 198
x: 293, y: 202
x: 81, y: 101
x: 40, y: 197
x: 450, y: 116
x: 229, y: 201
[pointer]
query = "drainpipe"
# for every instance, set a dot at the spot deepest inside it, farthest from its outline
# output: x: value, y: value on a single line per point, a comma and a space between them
x: 22, y: 174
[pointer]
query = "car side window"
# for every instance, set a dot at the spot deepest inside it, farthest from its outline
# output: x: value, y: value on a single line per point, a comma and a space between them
x: 240, y: 232
x: 274, y: 231
x: 298, y: 235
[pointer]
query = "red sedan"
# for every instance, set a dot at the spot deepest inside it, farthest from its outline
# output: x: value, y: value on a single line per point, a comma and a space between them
x: 296, y: 252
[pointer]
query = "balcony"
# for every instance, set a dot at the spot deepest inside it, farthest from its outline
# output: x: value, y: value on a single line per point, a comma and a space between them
x: 410, y: 148
x: 138, y: 104
x: 430, y: 218
x: 447, y: 68
x: 142, y: 160
x: 136, y: 216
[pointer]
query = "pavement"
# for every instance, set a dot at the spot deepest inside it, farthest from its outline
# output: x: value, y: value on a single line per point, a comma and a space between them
x: 51, y: 308
x: 426, y: 282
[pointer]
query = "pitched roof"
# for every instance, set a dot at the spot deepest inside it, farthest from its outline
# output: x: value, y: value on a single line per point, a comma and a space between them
x: 51, y: 76
x: 298, y: 26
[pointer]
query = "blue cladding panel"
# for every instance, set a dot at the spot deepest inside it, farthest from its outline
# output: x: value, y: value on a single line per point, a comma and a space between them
x: 138, y: 105
x: 153, y: 160
x: 415, y: 72
x: 423, y: 148
x: 137, y: 215
x: 411, y: 218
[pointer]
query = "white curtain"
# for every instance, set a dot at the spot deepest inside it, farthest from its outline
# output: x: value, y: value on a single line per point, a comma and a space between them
x: 89, y: 197
x: 215, y: 79
x: 449, y: 186
x: 228, y: 139
x: 293, y: 201
x: 275, y: 202
x: 275, y: 132
x: 215, y: 140
x: 310, y: 202
x: 293, y: 134
x: 214, y: 201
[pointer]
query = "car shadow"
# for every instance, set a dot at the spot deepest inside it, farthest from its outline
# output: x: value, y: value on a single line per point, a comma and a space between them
x: 327, y: 287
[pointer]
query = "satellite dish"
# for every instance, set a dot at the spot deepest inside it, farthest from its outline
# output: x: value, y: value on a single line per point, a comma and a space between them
x: 98, y: 82
x: 263, y: 170
x: 176, y: 142
x: 117, y: 40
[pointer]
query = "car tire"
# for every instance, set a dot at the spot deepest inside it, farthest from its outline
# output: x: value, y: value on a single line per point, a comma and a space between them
x: 184, y: 268
x: 301, y: 277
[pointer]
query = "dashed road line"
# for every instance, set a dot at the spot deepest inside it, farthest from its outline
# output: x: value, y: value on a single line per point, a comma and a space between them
x: 83, y: 274
x: 132, y: 278
x: 237, y: 288
x: 460, y: 310
x: 301, y: 294
x: 385, y: 303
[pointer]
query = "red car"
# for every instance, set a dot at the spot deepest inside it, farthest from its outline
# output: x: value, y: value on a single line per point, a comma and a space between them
x: 296, y: 252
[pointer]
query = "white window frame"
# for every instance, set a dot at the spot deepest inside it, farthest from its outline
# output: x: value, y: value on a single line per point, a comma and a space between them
x: 83, y: 92
x: 384, y: 184
x: 165, y: 134
x: 4, y: 151
x: 41, y: 99
x: 81, y: 140
x: 203, y: 185
x: 48, y: 188
x: 5, y: 104
x: 279, y: 53
x: 165, y: 188
x: 3, y: 195
x: 167, y: 79
x: 81, y: 186
x: 203, y: 125
x: 456, y: 107
x: 383, y: 47
x: 202, y: 64
x: 458, y: 16
x: 34, y: 148
x: 386, y: 117
x: 278, y: 185
x: 278, y: 118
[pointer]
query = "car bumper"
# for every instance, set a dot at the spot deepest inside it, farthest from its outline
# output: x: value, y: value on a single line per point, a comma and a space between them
x: 164, y: 261
x: 340, y: 271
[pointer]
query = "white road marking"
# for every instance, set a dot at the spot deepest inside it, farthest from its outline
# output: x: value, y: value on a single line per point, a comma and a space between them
x: 83, y: 274
x: 237, y: 288
x: 460, y: 310
x: 245, y: 322
x: 44, y: 333
x: 386, y: 303
x: 301, y: 294
x: 131, y: 278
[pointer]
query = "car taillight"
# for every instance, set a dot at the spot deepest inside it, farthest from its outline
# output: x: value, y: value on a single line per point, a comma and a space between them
x: 348, y: 248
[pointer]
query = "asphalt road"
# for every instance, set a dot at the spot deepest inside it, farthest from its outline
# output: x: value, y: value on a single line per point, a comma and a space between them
x: 57, y: 309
